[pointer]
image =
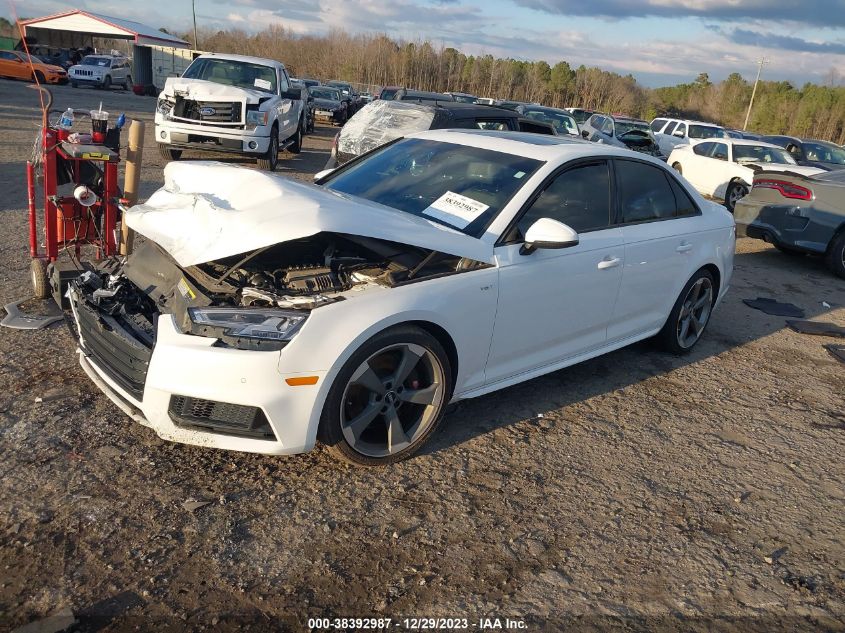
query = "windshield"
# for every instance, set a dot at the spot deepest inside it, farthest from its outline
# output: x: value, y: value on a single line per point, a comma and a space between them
x: 562, y: 122
x: 90, y: 60
x: 762, y: 154
x: 459, y: 186
x: 623, y: 127
x: 326, y: 93
x: 706, y: 131
x: 824, y: 153
x: 388, y: 93
x: 581, y: 115
x: 233, y: 73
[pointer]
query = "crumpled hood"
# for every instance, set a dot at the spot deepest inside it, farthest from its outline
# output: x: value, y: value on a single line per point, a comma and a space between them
x: 202, y: 90
x: 209, y: 210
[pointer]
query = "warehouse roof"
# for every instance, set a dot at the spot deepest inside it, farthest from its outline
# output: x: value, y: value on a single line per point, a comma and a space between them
x: 105, y: 26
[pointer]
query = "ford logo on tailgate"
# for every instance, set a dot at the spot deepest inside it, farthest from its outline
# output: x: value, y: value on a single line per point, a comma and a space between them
x: 208, y: 111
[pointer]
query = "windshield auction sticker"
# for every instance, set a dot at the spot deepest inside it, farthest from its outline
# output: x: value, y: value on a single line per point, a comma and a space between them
x: 455, y: 209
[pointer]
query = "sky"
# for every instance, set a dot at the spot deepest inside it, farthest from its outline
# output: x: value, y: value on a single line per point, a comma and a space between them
x: 660, y: 42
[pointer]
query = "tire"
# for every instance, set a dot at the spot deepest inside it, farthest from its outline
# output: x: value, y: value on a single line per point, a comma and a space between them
x: 677, y: 167
x: 296, y: 146
x: 38, y: 276
x: 168, y: 153
x: 736, y: 191
x: 107, y: 83
x: 127, y: 83
x: 390, y: 425
x: 38, y: 77
x: 692, y: 310
x: 270, y: 160
x: 835, y: 256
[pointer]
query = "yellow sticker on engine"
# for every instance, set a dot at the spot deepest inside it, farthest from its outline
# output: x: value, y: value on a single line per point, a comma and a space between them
x: 185, y: 289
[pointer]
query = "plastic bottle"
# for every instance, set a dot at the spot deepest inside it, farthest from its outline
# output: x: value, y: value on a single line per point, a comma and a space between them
x: 66, y: 122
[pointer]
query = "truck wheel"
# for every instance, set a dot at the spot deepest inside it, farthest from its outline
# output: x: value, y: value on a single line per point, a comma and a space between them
x: 269, y: 161
x: 168, y: 153
x: 296, y: 146
x: 107, y: 83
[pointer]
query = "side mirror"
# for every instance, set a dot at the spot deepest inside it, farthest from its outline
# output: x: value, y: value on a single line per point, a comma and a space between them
x: 322, y: 174
x: 678, y: 133
x: 585, y: 134
x: 296, y: 95
x: 548, y: 233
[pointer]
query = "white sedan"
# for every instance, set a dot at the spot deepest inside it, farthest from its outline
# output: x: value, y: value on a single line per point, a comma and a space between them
x: 724, y: 168
x: 263, y: 314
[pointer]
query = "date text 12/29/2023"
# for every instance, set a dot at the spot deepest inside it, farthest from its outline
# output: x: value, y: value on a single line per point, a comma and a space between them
x: 416, y: 624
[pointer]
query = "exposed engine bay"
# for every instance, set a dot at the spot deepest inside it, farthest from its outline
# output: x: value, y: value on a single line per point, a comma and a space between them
x: 299, y: 275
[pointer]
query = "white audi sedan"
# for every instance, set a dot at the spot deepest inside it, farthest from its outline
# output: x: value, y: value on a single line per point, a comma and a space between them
x: 724, y: 168
x: 263, y: 314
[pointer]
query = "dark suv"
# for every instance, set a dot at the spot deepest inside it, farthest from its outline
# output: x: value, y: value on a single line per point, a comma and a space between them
x: 811, y: 153
x: 382, y: 121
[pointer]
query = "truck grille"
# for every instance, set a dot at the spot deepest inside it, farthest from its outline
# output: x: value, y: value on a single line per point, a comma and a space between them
x: 114, y: 350
x: 209, y: 111
x: 83, y: 73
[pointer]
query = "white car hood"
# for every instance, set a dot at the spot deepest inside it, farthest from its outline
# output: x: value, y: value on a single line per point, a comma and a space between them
x: 209, y: 210
x: 202, y: 89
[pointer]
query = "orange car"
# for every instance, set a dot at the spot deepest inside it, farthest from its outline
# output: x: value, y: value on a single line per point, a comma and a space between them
x: 16, y: 65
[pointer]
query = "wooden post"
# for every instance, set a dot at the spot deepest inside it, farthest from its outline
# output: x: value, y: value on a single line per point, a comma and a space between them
x: 132, y: 179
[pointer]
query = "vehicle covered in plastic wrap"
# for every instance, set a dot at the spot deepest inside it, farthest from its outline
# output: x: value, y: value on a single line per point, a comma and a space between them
x: 383, y: 121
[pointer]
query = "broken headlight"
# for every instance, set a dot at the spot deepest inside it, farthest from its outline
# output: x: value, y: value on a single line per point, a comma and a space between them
x: 165, y: 107
x: 247, y: 328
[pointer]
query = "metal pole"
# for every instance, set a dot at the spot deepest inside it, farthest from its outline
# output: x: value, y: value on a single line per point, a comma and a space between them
x: 754, y: 91
x: 194, y: 11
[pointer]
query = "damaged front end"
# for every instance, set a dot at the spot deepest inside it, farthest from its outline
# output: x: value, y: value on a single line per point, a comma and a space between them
x: 641, y: 141
x: 256, y: 300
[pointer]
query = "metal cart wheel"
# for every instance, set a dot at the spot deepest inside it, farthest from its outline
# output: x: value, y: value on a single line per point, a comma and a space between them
x: 38, y: 275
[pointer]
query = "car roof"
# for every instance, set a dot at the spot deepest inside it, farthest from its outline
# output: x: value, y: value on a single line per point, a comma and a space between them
x: 529, y: 145
x: 741, y: 141
x: 263, y: 61
x: 534, y: 106
x: 463, y: 110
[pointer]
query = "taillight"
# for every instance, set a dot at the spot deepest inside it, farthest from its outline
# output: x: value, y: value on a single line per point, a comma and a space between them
x: 785, y: 188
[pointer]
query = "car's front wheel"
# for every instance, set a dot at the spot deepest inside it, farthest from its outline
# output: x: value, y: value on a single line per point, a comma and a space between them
x: 737, y: 190
x: 168, y: 153
x: 690, y: 314
x: 107, y: 83
x: 388, y: 398
x: 269, y: 161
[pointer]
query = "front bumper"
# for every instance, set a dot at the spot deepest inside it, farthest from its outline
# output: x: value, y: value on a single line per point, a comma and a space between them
x: 87, y: 79
x: 240, y: 141
x: 189, y: 366
x: 780, y: 224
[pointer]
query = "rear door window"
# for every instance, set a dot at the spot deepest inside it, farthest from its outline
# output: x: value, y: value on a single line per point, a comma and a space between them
x: 644, y: 191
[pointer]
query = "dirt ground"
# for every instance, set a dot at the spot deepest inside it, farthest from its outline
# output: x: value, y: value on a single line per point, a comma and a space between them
x: 634, y: 492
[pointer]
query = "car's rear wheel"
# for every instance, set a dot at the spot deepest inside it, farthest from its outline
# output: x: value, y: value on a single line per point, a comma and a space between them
x: 737, y: 190
x: 690, y: 314
x: 835, y: 257
x: 127, y: 83
x: 388, y: 398
x: 168, y: 153
x: 269, y: 161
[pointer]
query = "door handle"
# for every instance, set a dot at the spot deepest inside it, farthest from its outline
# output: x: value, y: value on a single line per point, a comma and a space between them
x: 609, y: 263
x: 684, y: 247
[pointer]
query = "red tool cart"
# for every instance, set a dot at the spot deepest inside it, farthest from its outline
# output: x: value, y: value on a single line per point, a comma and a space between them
x: 81, y: 202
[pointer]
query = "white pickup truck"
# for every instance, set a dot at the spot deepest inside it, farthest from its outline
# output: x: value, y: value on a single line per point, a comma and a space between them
x: 230, y: 103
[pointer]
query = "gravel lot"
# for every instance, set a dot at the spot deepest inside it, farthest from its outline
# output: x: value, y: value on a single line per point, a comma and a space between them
x: 637, y: 491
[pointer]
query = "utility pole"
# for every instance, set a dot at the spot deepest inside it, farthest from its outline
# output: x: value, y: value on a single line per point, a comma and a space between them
x: 762, y: 61
x: 194, y: 11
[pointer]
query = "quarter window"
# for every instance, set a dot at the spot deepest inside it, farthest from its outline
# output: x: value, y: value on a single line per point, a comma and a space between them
x: 579, y: 197
x: 644, y: 192
x: 703, y: 149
